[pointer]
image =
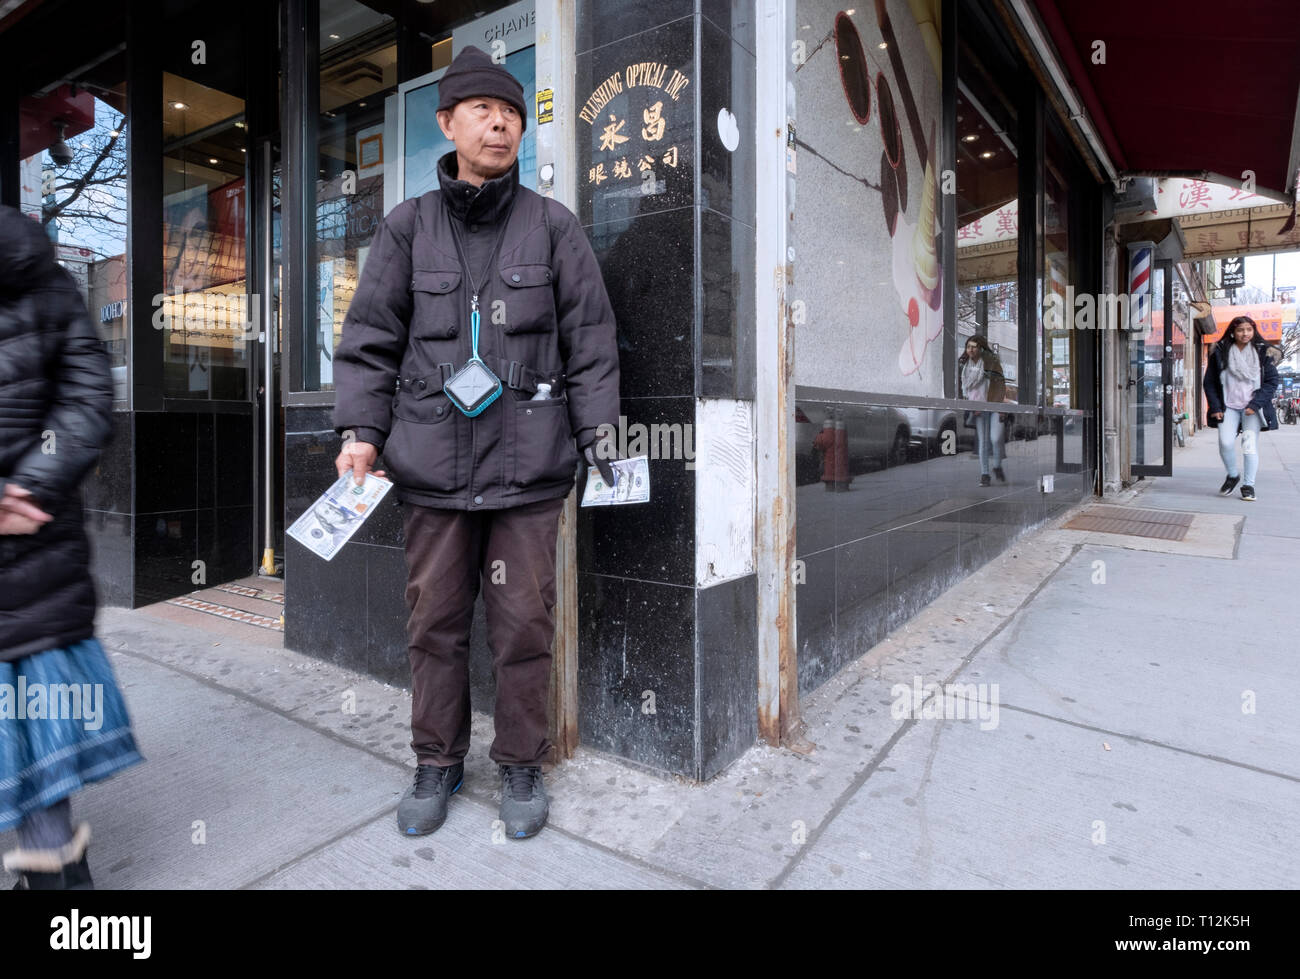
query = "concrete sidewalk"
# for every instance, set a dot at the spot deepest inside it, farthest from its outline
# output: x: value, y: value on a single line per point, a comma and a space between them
x: 1114, y: 753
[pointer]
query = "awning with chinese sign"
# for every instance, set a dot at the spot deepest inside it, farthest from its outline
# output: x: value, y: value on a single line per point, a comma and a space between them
x: 1179, y: 196
x: 1001, y: 225
x: 987, y: 247
x: 1245, y: 231
x: 1222, y: 219
x: 1190, y: 88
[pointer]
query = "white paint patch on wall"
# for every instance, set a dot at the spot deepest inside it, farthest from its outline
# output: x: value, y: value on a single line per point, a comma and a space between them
x: 724, y: 489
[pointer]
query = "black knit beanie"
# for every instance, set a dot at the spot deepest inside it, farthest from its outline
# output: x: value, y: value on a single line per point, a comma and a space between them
x: 473, y: 72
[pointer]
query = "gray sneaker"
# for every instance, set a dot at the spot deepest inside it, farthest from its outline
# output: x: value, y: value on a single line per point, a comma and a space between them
x: 424, y: 807
x: 523, y: 800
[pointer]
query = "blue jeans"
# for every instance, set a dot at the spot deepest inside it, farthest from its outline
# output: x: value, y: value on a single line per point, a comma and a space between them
x: 1250, y: 427
x: 988, y: 439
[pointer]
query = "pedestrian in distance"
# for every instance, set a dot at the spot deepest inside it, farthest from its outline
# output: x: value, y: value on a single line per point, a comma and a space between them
x: 63, y: 723
x: 478, y: 419
x: 1239, y: 383
x: 980, y: 378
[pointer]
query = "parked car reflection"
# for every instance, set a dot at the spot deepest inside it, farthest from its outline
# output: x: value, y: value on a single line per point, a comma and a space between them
x: 930, y: 427
x: 874, y: 437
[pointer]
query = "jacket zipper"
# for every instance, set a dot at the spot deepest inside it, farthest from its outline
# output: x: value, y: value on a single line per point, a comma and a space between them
x: 473, y: 429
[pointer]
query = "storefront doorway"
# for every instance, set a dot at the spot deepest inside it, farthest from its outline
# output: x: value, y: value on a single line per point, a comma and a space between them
x: 219, y: 310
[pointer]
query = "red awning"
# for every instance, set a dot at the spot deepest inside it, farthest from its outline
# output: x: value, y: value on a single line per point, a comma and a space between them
x: 1187, y: 87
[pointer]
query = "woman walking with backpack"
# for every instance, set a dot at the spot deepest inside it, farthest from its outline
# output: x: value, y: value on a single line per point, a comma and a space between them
x: 62, y: 720
x: 1239, y: 383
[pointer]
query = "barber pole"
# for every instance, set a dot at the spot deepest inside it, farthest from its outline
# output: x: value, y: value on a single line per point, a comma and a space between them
x: 1140, y: 256
x: 1060, y: 288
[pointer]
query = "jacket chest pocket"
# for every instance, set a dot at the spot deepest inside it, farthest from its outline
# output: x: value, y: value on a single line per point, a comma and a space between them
x: 435, y: 304
x: 422, y: 448
x: 528, y: 301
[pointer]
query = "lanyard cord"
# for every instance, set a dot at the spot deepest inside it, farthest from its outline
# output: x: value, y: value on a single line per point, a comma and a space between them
x: 487, y: 269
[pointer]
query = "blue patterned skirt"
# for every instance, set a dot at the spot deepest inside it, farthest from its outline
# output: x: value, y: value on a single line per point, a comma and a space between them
x: 63, y: 724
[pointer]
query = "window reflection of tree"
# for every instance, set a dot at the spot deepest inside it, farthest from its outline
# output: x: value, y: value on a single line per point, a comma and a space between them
x: 87, y: 198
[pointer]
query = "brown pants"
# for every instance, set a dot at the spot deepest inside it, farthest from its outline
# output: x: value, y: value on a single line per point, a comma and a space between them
x: 447, y: 551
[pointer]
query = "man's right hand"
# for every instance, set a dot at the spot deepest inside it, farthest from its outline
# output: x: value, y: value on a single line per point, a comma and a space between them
x: 1218, y: 415
x: 358, y: 457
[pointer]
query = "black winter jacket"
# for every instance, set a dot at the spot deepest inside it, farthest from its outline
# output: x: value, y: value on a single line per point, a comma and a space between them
x: 56, y: 399
x: 545, y: 317
x: 1262, y: 401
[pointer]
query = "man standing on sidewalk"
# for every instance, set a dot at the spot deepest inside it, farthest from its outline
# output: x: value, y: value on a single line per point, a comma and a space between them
x: 481, y: 476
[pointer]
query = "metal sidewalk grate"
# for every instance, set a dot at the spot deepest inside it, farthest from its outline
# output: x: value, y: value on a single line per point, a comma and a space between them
x: 1160, y: 524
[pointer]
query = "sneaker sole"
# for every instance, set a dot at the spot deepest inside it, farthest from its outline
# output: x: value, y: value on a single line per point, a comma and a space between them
x: 416, y: 831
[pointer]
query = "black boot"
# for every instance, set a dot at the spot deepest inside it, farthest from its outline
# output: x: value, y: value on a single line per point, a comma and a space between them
x: 63, y: 869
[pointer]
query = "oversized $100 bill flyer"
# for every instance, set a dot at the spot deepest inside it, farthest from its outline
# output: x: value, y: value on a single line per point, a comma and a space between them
x: 330, y: 522
x: 631, y: 483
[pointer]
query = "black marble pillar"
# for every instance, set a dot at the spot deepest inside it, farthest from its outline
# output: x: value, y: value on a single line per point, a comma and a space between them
x: 665, y: 148
x: 110, y: 515
x: 172, y: 488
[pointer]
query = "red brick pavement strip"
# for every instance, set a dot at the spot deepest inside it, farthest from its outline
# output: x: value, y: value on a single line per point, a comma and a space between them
x: 239, y: 590
x: 215, y: 627
x: 226, y: 612
x: 266, y: 596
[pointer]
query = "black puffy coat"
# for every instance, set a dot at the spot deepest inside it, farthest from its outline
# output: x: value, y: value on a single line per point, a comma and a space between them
x: 545, y: 316
x: 1262, y: 401
x: 56, y: 399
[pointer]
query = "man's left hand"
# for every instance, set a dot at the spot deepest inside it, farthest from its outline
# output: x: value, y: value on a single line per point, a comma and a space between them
x: 599, y: 454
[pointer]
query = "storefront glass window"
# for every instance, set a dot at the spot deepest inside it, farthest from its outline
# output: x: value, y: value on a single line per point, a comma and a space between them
x: 988, y: 215
x: 209, y: 325
x: 358, y: 71
x: 1179, y: 325
x: 1060, y: 370
x: 1146, y: 367
x: 73, y: 158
